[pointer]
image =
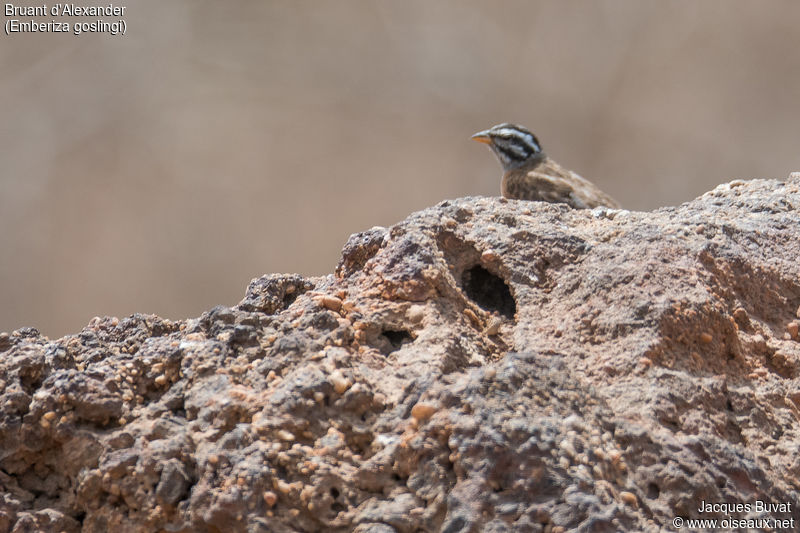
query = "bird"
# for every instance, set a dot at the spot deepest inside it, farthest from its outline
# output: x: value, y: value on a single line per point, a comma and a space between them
x: 529, y: 174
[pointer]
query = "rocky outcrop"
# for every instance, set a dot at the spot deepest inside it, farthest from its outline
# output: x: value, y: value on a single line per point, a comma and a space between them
x: 484, y: 365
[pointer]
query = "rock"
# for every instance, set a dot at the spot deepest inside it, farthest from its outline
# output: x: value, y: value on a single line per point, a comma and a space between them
x: 173, y: 483
x: 484, y: 365
x: 272, y: 293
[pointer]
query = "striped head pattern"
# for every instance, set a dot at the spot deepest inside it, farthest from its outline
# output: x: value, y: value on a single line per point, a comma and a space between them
x: 514, y: 145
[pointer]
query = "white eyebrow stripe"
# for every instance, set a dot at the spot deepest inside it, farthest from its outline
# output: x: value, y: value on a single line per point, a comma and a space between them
x: 522, y: 137
x: 506, y: 132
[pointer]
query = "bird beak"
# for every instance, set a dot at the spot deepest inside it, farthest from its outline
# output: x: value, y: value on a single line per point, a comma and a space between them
x: 482, y: 137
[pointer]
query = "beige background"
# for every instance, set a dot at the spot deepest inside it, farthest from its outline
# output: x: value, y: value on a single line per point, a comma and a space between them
x: 161, y: 171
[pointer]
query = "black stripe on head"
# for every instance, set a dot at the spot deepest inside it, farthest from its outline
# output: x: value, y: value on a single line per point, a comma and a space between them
x: 512, y: 152
x: 509, y: 131
x: 514, y: 145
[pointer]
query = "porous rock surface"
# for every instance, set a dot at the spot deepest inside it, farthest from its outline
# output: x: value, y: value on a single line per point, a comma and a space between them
x: 484, y: 365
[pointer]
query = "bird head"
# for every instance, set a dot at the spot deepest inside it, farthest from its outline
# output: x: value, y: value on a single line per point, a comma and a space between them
x: 514, y: 145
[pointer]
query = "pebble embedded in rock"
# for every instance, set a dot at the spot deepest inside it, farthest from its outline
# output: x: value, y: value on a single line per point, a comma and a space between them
x: 423, y: 411
x: 339, y: 381
x: 331, y: 302
x: 792, y: 329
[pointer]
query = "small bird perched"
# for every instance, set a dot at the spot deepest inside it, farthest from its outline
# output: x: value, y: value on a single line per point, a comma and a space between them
x: 528, y: 174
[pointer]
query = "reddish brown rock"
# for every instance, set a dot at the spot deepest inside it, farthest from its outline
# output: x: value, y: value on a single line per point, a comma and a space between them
x: 484, y: 365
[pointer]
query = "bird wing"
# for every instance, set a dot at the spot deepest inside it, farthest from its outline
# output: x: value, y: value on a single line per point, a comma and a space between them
x: 555, y: 189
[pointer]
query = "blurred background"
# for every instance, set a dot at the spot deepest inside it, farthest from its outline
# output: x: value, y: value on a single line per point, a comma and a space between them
x: 217, y: 141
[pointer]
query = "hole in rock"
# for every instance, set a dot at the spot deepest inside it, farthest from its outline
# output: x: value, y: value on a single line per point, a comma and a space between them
x: 289, y: 298
x: 653, y: 491
x: 490, y: 292
x: 397, y: 338
x: 334, y: 492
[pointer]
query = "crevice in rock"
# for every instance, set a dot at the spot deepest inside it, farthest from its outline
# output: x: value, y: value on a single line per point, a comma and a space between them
x: 490, y: 292
x: 398, y: 478
x: 31, y: 378
x: 388, y: 338
x: 478, y: 280
x: 289, y: 298
x: 397, y: 338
